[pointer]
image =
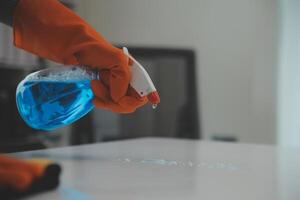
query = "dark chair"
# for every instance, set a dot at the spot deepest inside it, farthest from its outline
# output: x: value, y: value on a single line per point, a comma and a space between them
x: 174, y: 74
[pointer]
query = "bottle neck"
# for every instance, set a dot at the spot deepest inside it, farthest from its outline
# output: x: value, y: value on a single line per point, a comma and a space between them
x: 93, y: 74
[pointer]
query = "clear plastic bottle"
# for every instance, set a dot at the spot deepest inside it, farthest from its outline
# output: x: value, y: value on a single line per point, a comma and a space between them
x: 55, y: 97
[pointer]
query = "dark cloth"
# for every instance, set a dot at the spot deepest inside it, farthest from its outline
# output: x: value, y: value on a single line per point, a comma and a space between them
x: 7, y: 8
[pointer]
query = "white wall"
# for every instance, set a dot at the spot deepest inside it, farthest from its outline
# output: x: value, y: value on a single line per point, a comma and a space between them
x: 289, y: 74
x: 235, y: 43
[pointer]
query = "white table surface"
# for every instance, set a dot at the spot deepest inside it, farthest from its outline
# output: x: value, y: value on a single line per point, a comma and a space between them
x: 170, y: 169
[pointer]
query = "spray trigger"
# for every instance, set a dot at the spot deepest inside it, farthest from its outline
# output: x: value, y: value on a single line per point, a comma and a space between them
x: 142, y: 82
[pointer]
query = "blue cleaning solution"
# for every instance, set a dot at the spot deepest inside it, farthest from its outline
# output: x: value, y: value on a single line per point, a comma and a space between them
x: 53, y: 98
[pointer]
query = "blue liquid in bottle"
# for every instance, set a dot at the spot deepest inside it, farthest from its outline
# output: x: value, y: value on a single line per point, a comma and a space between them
x: 53, y: 98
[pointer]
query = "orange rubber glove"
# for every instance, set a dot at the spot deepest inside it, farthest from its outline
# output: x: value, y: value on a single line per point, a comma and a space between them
x: 50, y: 30
x: 20, y: 178
x: 17, y: 174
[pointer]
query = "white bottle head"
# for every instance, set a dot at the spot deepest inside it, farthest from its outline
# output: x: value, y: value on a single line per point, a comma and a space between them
x: 141, y: 81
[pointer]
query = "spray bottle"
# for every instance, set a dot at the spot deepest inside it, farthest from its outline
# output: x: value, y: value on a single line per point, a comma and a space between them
x: 55, y: 97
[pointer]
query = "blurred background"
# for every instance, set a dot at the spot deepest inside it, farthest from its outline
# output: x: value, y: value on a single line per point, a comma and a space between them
x: 226, y: 70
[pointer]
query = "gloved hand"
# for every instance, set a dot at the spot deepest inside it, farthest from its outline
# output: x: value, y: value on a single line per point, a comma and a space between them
x: 17, y: 174
x: 23, y: 177
x: 50, y: 30
x: 127, y: 104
